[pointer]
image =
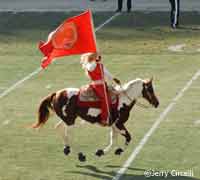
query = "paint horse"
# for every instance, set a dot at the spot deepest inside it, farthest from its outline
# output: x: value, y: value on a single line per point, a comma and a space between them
x: 67, y: 104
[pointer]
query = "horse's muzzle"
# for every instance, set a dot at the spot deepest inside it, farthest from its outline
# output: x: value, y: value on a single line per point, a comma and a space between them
x: 156, y: 104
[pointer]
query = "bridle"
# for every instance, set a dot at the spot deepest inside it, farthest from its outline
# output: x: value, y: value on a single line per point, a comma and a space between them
x: 145, y: 88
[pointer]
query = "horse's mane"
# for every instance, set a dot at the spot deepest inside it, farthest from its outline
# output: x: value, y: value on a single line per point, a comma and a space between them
x: 125, y: 86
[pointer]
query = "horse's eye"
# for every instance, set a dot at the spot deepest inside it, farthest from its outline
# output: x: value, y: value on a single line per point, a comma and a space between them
x: 146, y: 87
x: 150, y: 89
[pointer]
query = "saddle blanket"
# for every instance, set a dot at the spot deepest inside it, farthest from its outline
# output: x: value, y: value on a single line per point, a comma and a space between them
x: 87, y: 97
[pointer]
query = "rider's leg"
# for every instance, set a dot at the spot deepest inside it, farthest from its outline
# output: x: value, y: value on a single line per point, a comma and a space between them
x: 105, y: 102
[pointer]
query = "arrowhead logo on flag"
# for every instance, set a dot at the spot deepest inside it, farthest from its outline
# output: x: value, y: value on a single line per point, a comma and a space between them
x: 74, y: 36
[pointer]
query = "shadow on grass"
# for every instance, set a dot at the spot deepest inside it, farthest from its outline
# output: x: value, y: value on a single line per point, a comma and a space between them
x: 92, y: 171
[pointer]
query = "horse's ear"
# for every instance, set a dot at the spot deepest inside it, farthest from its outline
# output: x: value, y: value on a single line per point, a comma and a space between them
x: 145, y: 81
x: 149, y: 80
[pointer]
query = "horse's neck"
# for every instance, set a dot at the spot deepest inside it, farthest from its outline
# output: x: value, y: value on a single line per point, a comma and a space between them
x: 135, y: 91
x: 132, y: 92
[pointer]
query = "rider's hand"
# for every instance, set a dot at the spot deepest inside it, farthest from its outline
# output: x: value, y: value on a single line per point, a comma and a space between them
x: 117, y: 81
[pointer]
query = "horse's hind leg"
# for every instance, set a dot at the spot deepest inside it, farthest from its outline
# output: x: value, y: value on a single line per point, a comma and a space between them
x: 62, y: 130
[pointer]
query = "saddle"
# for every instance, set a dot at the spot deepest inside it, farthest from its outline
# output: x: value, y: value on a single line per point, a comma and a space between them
x: 87, y: 96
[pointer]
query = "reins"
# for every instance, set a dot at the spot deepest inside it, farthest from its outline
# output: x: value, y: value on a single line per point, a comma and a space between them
x: 142, y: 105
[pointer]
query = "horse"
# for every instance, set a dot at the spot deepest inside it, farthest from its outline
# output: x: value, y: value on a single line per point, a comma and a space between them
x: 66, y: 105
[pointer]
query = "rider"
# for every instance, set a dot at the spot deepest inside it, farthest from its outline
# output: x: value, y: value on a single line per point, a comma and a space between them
x: 91, y: 63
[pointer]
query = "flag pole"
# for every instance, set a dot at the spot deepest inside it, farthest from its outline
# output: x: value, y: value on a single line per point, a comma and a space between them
x: 101, y: 68
x: 105, y: 92
x: 92, y: 24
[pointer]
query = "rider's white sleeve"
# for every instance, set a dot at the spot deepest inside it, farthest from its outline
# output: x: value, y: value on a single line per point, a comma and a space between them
x: 107, y: 74
x: 90, y: 66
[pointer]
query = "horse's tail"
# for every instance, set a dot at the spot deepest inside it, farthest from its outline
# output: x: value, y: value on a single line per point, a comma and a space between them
x: 43, y: 111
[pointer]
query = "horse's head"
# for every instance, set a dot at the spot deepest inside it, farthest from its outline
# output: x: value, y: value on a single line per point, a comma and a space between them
x: 148, y: 93
x: 139, y: 88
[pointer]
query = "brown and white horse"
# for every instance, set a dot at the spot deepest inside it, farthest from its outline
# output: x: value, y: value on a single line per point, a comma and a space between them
x: 64, y: 104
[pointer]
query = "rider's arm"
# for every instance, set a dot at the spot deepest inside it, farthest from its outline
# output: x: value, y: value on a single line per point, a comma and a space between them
x: 107, y: 74
x: 110, y: 77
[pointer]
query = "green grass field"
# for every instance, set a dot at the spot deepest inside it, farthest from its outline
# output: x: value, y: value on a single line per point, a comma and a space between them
x: 133, y: 45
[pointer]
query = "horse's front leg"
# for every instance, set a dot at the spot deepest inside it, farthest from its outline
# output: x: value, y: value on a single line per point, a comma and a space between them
x: 124, y: 132
x: 113, y: 140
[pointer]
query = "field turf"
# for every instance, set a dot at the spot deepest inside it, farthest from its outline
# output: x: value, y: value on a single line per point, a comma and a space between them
x: 133, y: 45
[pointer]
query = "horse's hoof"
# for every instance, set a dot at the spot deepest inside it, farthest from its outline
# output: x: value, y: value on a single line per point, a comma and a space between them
x: 99, y: 152
x: 66, y: 150
x: 81, y: 157
x: 119, y: 151
x: 127, y: 143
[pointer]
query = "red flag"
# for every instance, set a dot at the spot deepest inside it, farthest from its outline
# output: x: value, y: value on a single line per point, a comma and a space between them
x: 74, y: 36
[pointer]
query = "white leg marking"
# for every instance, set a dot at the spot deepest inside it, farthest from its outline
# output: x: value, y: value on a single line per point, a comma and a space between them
x: 146, y: 137
x: 113, y: 139
x: 61, y: 128
x: 111, y: 142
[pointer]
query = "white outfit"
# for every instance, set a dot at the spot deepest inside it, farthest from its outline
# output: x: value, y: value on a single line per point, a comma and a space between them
x: 90, y: 66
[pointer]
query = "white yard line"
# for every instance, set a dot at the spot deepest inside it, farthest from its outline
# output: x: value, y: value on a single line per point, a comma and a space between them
x: 20, y: 82
x: 107, y: 21
x: 146, y: 137
x: 197, y: 122
x: 177, y: 48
